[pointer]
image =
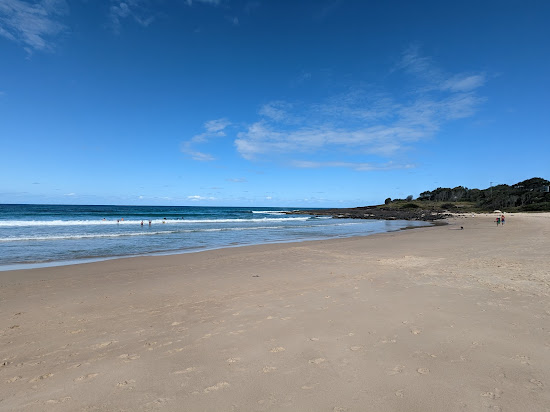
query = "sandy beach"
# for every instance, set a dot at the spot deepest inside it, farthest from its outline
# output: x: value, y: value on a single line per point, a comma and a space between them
x: 429, y: 319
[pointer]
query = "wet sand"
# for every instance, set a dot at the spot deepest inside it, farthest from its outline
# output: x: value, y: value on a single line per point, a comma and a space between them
x: 429, y: 319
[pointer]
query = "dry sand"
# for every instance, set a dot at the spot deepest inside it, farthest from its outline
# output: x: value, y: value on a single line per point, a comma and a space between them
x: 430, y: 319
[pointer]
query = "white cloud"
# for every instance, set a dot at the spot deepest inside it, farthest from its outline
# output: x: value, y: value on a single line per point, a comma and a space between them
x: 214, y: 128
x: 464, y: 83
x: 364, y: 121
x: 277, y: 111
x: 195, y: 155
x: 237, y: 180
x: 135, y: 9
x: 264, y: 139
x: 33, y: 25
x: 351, y: 165
x: 363, y: 128
x: 233, y: 20
x: 197, y: 198
x: 434, y: 78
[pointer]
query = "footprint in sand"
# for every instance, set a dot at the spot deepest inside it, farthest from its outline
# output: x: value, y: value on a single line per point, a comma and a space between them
x: 278, y: 349
x: 190, y: 369
x: 233, y: 360
x: 86, y: 377
x: 41, y: 377
x: 56, y: 401
x: 355, y: 348
x: 127, y: 357
x: 492, y: 395
x: 396, y: 370
x: 524, y: 360
x: 129, y: 384
x: 158, y: 403
x: 536, y: 382
x: 416, y: 331
x: 15, y: 378
x: 216, y: 387
x: 317, y: 361
x: 103, y: 345
x: 423, y: 371
x: 268, y: 369
x: 399, y: 393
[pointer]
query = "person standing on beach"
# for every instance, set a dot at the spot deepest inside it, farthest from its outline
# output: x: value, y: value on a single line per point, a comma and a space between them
x: 502, y: 220
x: 498, y: 220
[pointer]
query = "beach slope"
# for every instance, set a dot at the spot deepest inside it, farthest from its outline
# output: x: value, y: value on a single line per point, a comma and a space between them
x: 429, y: 319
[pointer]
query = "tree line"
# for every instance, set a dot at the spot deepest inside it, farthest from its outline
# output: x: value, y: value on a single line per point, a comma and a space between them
x: 529, y: 195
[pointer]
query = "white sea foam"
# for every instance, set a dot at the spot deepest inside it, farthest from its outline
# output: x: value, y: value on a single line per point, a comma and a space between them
x: 21, y: 223
x: 82, y: 236
x: 148, y: 233
x: 271, y: 212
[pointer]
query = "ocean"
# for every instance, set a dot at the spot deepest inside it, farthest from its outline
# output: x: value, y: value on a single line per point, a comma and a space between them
x: 46, y: 235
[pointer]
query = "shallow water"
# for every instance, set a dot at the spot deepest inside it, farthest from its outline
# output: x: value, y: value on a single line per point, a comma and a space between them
x: 56, y: 234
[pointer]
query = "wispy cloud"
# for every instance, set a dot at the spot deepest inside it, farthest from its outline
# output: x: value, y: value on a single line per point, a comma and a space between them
x: 195, y: 155
x: 364, y: 128
x: 34, y: 25
x: 213, y: 129
x: 351, y: 165
x: 136, y: 10
x: 364, y: 121
x: 237, y: 180
x: 278, y: 111
x: 197, y: 198
x: 425, y: 70
x: 233, y: 20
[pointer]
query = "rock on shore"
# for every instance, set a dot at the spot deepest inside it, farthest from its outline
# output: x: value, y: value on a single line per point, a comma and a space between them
x: 373, y: 212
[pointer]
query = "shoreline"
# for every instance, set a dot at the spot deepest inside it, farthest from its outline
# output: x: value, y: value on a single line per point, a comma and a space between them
x: 70, y: 262
x: 390, y: 321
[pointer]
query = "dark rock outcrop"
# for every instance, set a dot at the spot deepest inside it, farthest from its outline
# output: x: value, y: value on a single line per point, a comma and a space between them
x: 373, y: 212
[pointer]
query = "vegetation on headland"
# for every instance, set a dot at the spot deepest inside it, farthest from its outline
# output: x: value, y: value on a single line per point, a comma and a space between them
x: 528, y: 196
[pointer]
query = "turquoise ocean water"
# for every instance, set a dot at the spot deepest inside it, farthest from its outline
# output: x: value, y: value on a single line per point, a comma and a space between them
x: 43, y: 235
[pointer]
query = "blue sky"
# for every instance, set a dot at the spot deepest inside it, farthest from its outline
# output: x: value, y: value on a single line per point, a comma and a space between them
x: 269, y: 103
